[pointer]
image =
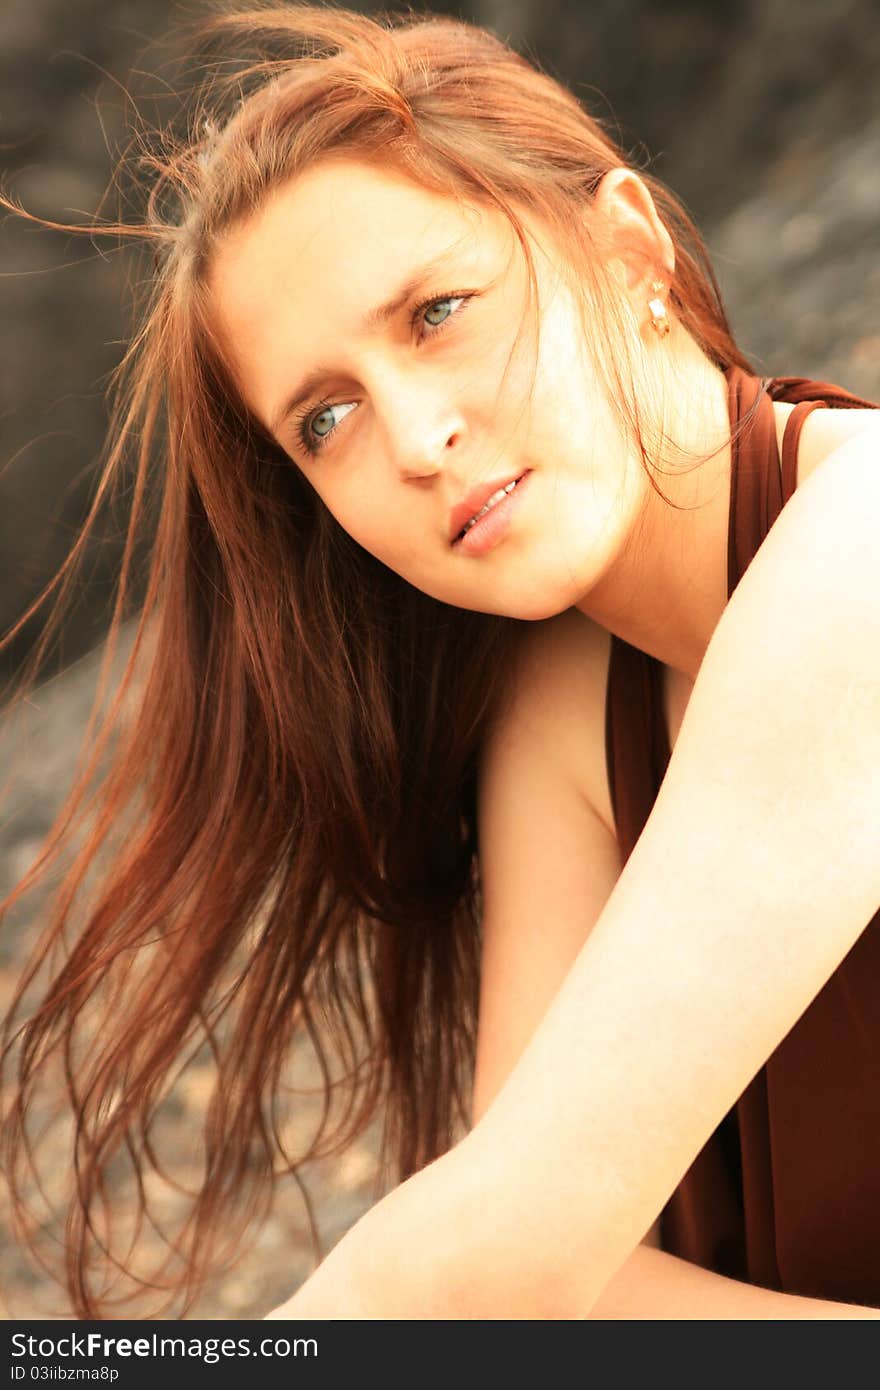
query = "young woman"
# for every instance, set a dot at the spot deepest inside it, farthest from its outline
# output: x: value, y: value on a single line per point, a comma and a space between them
x: 510, y: 700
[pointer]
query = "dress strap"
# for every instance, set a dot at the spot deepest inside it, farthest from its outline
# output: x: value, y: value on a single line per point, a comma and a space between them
x: 790, y: 439
x: 755, y: 482
x: 806, y: 396
x: 636, y: 737
x: 795, y: 389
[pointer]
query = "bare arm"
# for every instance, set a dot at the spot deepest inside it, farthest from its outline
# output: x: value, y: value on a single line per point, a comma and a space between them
x: 654, y: 1285
x: 727, y: 920
x: 756, y: 872
x: 548, y: 866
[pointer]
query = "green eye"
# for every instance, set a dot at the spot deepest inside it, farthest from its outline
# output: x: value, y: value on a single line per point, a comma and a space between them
x: 323, y: 429
x: 326, y: 420
x: 443, y: 306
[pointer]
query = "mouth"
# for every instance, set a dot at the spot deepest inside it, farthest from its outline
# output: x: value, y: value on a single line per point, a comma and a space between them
x: 490, y: 524
x: 492, y: 501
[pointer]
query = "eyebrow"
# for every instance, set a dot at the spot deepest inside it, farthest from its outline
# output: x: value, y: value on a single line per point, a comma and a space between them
x: 372, y: 322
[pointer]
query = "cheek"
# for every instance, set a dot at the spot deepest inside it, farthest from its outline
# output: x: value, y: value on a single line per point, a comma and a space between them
x: 564, y: 402
x: 372, y: 520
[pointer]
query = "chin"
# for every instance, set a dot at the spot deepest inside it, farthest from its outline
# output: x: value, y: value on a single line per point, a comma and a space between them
x: 546, y: 596
x: 530, y: 608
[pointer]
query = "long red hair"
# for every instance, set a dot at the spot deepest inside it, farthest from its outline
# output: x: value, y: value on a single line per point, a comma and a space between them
x: 280, y: 835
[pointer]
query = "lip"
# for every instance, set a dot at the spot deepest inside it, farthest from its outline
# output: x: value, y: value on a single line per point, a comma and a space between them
x: 492, y: 528
x: 469, y: 506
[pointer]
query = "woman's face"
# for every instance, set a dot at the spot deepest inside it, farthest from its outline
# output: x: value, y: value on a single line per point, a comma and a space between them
x: 380, y: 332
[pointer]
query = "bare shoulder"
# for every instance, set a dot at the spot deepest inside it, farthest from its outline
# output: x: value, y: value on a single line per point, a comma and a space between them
x: 558, y: 699
x: 825, y: 431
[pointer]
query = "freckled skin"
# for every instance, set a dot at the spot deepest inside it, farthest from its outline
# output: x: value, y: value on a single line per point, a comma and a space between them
x: 432, y: 419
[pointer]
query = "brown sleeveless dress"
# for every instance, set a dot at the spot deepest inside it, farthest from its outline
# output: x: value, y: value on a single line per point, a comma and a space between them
x: 786, y: 1193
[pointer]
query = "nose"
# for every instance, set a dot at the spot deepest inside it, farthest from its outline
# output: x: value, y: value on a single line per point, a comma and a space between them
x: 421, y: 430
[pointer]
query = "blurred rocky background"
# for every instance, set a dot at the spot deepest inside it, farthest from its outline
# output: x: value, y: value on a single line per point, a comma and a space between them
x: 764, y: 115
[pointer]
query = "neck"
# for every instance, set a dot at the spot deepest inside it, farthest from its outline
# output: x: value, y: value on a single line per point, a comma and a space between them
x: 668, y: 586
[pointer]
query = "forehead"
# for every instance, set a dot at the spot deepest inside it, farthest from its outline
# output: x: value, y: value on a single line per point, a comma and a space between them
x: 288, y: 285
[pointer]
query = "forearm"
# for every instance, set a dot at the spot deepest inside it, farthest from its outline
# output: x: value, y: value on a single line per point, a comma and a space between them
x: 427, y: 1250
x: 655, y: 1285
x: 726, y: 922
x: 435, y: 1248
x: 513, y: 1270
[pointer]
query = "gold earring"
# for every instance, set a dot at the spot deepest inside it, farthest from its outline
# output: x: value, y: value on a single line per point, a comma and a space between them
x: 659, y: 317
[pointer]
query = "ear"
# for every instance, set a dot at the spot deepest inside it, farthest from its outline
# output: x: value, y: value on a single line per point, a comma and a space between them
x: 638, y: 246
